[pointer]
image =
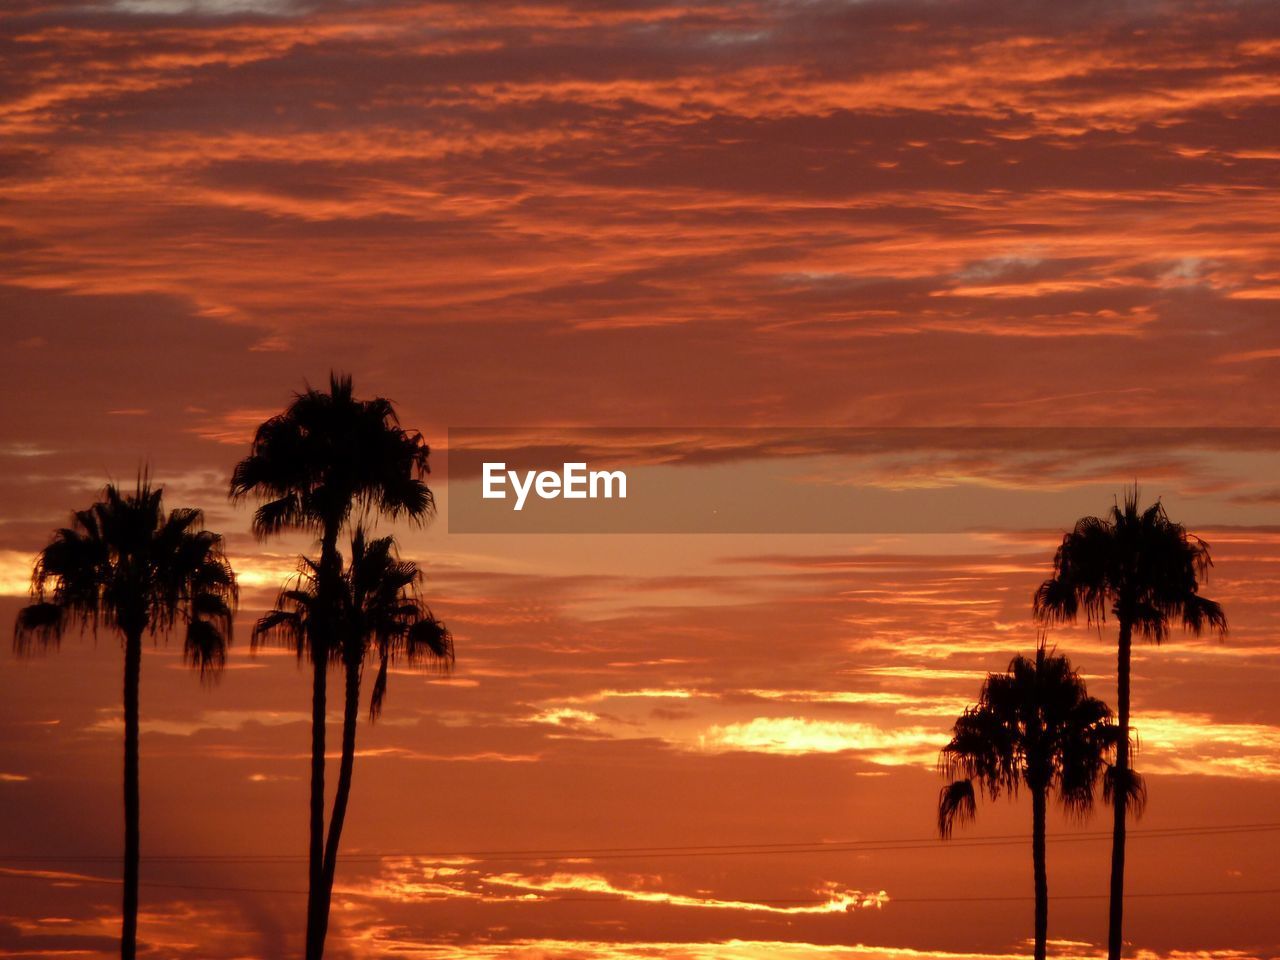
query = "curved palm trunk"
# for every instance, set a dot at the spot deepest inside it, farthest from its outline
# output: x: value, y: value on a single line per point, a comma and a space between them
x: 320, y: 646
x: 1039, y: 803
x: 132, y: 805
x: 1120, y: 798
x: 342, y: 796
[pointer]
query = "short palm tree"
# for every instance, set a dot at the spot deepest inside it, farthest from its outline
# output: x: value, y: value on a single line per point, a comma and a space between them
x: 311, y: 466
x: 1034, y: 726
x: 1145, y: 570
x: 380, y: 617
x: 128, y: 565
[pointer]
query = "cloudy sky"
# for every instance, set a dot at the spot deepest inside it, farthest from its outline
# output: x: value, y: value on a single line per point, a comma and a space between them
x: 779, y: 214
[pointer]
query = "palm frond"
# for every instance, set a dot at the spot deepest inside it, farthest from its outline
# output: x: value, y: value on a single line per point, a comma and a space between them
x: 1135, y: 791
x: 283, y: 513
x: 205, y: 648
x: 379, y: 688
x: 38, y: 626
x: 1200, y: 614
x: 957, y: 803
x: 429, y: 641
x: 281, y: 627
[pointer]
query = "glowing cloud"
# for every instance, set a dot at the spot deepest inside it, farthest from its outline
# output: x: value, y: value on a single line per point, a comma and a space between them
x: 832, y: 898
x: 797, y: 736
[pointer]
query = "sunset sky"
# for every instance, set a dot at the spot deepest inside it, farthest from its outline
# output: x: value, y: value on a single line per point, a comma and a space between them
x: 782, y: 215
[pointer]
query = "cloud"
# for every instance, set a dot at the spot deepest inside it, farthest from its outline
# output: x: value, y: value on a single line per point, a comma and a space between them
x: 15, y: 572
x: 1200, y: 744
x: 112, y: 722
x: 903, y: 703
x: 831, y: 899
x: 796, y: 736
x: 565, y: 717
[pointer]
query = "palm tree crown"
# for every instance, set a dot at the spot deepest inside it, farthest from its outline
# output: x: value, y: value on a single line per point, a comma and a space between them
x: 380, y: 614
x: 1137, y: 565
x: 388, y: 611
x: 327, y: 453
x: 127, y: 564
x: 1034, y: 726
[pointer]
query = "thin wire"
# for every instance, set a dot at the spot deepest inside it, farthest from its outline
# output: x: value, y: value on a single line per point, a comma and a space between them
x: 675, y: 851
x: 1256, y: 891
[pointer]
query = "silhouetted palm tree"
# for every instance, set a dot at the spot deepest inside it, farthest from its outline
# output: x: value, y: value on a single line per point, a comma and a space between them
x: 312, y: 465
x: 1145, y: 570
x: 1034, y: 726
x: 380, y: 616
x: 124, y: 563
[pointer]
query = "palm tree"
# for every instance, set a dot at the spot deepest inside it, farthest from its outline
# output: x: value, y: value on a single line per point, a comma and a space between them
x: 380, y: 615
x: 1145, y: 570
x: 326, y: 455
x: 1034, y: 726
x: 125, y: 563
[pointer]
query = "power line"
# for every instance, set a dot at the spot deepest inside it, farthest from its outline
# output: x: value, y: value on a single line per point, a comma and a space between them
x: 614, y: 898
x: 1256, y: 891
x: 675, y: 850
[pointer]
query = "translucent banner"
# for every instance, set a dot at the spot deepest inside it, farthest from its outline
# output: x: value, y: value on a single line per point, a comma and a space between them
x: 848, y: 480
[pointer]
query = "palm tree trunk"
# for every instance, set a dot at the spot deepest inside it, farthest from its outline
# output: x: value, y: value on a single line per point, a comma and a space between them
x: 132, y: 806
x: 350, y: 713
x: 1039, y: 802
x: 319, y: 668
x: 320, y: 646
x: 1120, y: 797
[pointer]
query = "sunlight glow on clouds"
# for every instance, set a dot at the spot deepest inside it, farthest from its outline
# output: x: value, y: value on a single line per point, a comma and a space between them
x: 15, y: 572
x: 565, y: 717
x: 798, y: 735
x: 837, y: 900
x: 903, y: 703
x: 1193, y: 743
x: 113, y: 722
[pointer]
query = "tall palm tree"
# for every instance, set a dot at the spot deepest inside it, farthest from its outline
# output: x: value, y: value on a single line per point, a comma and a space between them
x: 125, y: 563
x: 1145, y: 570
x: 380, y: 616
x: 326, y: 455
x: 1034, y: 726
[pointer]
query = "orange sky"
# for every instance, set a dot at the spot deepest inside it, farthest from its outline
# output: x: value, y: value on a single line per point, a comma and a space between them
x: 888, y: 213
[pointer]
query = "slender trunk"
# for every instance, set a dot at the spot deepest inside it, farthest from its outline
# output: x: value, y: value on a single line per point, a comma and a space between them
x: 350, y: 713
x: 129, y: 909
x: 321, y: 640
x: 1120, y: 798
x: 319, y: 668
x: 1039, y: 802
